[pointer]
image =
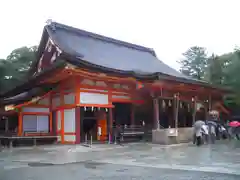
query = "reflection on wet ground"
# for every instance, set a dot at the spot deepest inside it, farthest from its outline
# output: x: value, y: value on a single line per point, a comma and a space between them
x: 188, y: 161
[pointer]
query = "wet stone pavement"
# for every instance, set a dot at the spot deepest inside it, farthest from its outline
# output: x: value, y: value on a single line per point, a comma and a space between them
x: 132, y: 161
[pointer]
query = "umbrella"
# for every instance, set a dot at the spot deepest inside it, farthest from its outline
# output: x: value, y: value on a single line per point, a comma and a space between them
x: 198, y: 124
x: 234, y: 124
x: 197, y: 127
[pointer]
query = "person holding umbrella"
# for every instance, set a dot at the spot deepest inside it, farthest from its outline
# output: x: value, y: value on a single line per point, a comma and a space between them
x: 234, y: 128
x: 198, y: 132
x: 212, y: 125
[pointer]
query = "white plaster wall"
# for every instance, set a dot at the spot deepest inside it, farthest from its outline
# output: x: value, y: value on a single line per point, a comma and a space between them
x: 70, y: 138
x: 93, y: 98
x: 42, y: 123
x: 69, y: 98
x: 29, y: 123
x: 34, y: 109
x: 35, y: 123
x: 69, y: 120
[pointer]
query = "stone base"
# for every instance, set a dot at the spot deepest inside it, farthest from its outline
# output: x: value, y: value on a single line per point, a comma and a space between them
x: 161, y: 136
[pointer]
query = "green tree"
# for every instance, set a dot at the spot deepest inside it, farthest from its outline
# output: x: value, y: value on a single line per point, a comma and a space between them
x: 194, y: 63
x: 215, y: 70
x: 2, y: 74
x: 232, y: 76
x: 16, y: 66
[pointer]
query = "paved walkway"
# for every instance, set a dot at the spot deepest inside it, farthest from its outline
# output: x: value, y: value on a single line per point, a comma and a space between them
x: 221, y: 158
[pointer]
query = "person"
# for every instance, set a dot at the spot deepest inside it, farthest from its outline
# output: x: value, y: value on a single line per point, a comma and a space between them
x: 119, y: 134
x: 114, y: 135
x: 214, y: 126
x: 198, y: 132
x: 145, y: 132
x: 237, y: 131
x: 234, y: 131
x: 212, y: 133
x: 205, y: 133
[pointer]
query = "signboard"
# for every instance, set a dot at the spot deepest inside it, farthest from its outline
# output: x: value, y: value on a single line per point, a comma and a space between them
x: 93, y: 98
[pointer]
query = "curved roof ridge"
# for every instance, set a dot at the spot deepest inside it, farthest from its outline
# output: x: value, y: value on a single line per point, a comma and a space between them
x: 54, y: 25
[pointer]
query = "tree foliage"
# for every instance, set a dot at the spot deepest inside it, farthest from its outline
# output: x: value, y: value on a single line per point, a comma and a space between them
x: 215, y: 70
x: 194, y: 62
x: 220, y: 70
x: 13, y: 69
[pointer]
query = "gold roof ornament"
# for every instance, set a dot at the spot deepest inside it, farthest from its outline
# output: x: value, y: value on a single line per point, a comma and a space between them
x: 35, y: 99
x: 9, y: 107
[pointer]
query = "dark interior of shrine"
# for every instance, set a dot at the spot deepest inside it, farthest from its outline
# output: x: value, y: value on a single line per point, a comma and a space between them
x: 9, y: 123
x: 166, y: 114
x: 88, y: 122
x: 122, y: 113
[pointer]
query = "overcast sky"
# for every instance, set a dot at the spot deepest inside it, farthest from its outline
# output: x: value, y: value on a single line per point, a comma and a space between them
x: 168, y: 26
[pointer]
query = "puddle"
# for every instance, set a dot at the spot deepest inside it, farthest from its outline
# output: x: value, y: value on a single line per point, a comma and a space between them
x: 91, y: 165
x: 121, y: 170
x: 39, y: 164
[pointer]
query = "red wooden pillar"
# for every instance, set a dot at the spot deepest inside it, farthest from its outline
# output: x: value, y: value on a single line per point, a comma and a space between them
x: 156, y: 124
x: 20, y: 123
x: 77, y: 125
x: 51, y: 114
x: 77, y: 111
x: 194, y: 102
x: 62, y: 126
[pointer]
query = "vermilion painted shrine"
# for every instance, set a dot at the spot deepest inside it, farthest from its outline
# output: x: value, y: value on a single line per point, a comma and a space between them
x: 83, y: 80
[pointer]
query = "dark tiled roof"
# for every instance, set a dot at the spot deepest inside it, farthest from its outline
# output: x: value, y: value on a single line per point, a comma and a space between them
x: 28, y: 95
x: 108, y: 52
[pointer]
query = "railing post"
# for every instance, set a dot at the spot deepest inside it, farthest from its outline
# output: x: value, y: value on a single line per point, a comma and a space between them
x: 115, y: 138
x: 109, y: 138
x: 85, y: 138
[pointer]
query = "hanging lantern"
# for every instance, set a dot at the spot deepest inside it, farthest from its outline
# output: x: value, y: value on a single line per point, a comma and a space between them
x: 99, y: 108
x: 92, y: 108
x: 180, y: 105
x: 85, y: 108
x: 106, y: 109
x: 163, y: 104
x: 169, y: 103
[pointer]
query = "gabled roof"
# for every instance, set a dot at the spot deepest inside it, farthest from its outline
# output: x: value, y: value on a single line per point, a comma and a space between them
x: 108, y: 52
x: 100, y: 53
